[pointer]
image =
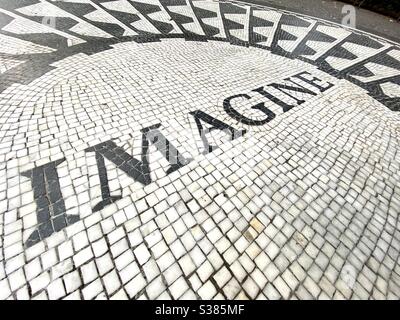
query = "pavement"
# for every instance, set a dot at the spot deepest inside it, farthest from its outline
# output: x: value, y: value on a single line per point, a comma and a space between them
x: 159, y: 149
x: 367, y: 20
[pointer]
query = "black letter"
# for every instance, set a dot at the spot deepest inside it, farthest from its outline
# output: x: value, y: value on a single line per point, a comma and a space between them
x: 313, y: 81
x: 169, y: 152
x: 137, y: 170
x: 50, y: 205
x: 236, y: 115
x: 216, y: 124
x: 283, y: 87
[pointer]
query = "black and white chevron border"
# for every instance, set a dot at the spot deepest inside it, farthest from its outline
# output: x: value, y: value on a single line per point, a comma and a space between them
x: 36, y: 33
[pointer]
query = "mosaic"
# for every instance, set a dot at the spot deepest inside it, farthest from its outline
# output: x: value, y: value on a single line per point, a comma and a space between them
x: 179, y: 149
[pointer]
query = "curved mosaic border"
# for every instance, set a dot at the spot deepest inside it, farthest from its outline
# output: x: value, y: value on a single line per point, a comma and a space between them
x: 363, y: 59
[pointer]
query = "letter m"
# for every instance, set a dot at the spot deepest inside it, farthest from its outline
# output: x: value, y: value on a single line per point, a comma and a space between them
x: 139, y: 170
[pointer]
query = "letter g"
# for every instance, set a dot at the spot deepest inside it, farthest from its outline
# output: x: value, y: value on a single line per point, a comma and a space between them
x: 239, y: 117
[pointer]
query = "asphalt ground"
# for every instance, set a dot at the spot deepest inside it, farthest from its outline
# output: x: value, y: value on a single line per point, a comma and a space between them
x: 366, y: 20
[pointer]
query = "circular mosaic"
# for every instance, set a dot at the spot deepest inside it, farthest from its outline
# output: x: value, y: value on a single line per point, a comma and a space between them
x: 195, y: 150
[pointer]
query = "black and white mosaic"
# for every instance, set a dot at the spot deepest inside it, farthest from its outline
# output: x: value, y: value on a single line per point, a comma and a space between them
x: 182, y: 149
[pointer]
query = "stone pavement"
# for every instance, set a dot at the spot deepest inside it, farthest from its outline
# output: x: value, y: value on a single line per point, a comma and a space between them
x: 378, y: 17
x: 182, y: 149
